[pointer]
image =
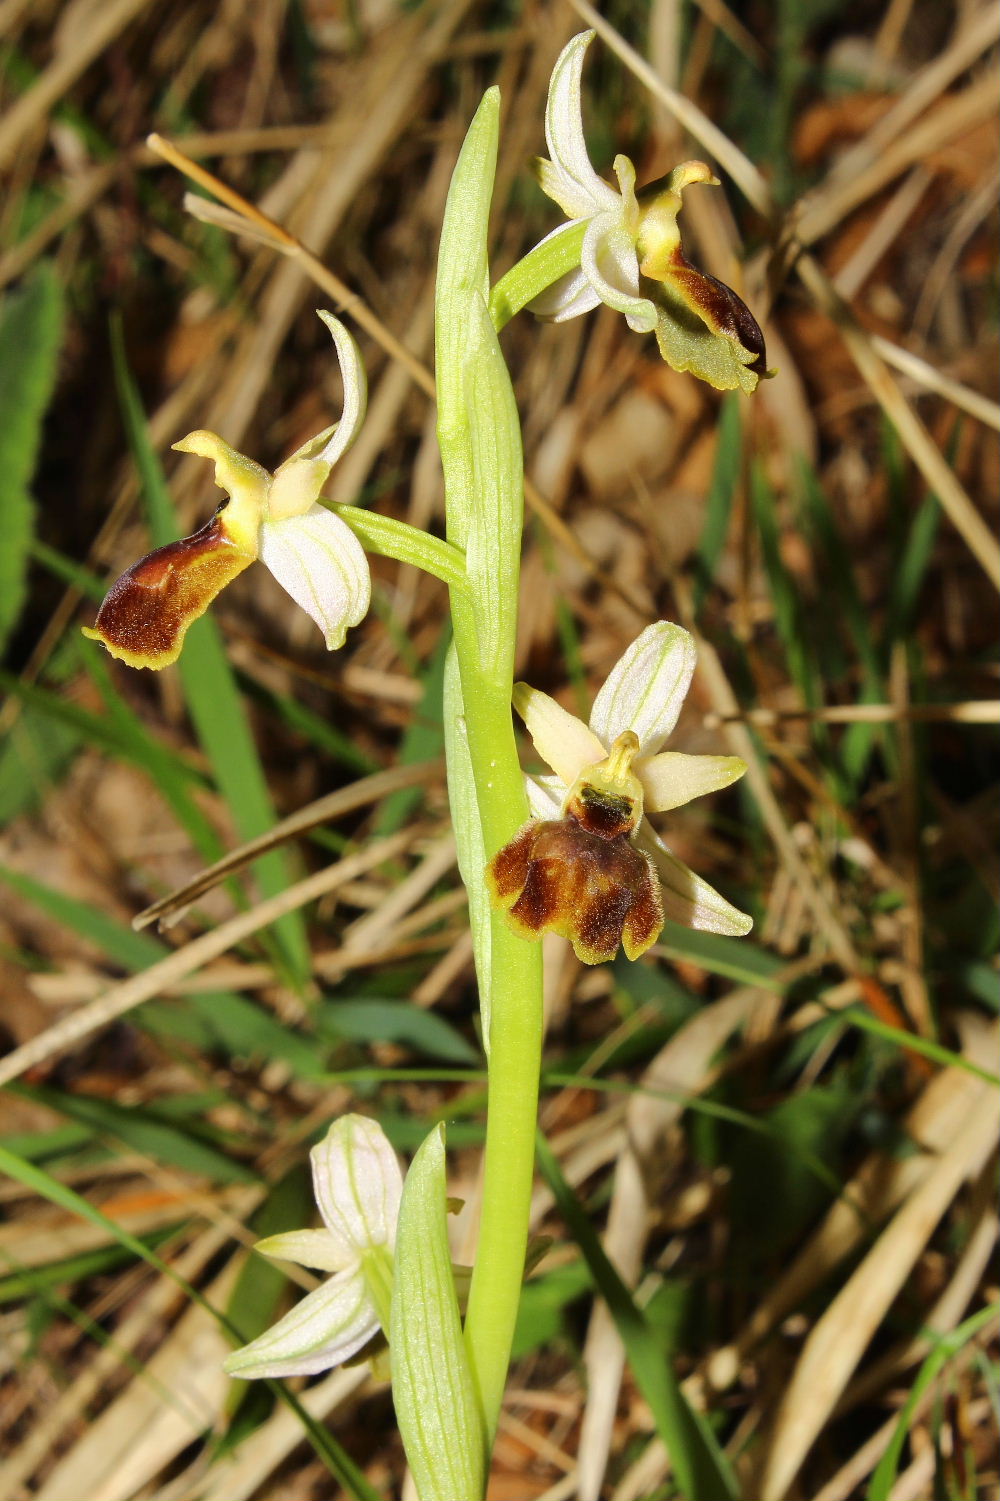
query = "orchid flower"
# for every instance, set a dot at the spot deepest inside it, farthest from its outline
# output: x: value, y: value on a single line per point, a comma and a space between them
x: 631, y: 257
x: 277, y: 518
x: 589, y: 865
x: 358, y: 1187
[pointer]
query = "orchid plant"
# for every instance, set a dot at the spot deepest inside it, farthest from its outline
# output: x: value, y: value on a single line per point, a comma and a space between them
x: 571, y: 852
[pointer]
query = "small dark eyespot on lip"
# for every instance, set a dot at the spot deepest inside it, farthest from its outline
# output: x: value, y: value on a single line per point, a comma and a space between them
x: 221, y: 506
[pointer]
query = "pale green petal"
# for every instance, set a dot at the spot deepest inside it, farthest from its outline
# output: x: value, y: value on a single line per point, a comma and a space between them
x: 322, y: 565
x: 687, y: 899
x: 295, y: 487
x: 357, y: 1184
x: 564, y: 190
x: 646, y: 687
x: 625, y: 173
x: 671, y: 779
x: 324, y: 1329
x: 563, y: 741
x: 315, y: 1248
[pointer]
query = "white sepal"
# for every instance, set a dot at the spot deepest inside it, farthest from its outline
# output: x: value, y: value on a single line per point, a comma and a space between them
x: 564, y: 742
x: 646, y: 688
x: 671, y: 779
x: 357, y: 1183
x: 316, y: 1248
x: 318, y: 560
x: 573, y: 183
x: 327, y: 1327
x: 687, y: 898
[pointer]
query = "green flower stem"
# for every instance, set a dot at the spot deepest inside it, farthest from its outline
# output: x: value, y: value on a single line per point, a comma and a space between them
x: 397, y: 539
x: 480, y: 440
x: 514, y: 1008
x: 536, y: 271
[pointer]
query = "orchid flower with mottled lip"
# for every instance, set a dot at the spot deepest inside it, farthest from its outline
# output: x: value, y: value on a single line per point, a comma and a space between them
x: 631, y: 257
x: 589, y: 865
x: 358, y: 1187
x: 277, y: 518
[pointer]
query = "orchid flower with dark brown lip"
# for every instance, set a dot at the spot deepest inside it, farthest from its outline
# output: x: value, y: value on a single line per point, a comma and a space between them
x: 277, y: 518
x: 589, y: 865
x: 631, y: 257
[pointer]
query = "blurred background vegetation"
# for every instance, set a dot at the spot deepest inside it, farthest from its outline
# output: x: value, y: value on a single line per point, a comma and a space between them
x: 787, y: 1142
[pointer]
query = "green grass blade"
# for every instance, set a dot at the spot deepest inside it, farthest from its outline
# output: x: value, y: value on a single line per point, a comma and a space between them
x: 30, y: 335
x: 788, y: 614
x: 833, y: 563
x: 424, y: 739
x: 142, y: 1130
x: 858, y: 1017
x: 219, y: 1018
x: 702, y: 1470
x: 908, y: 576
x: 884, y: 1478
x: 47, y: 1187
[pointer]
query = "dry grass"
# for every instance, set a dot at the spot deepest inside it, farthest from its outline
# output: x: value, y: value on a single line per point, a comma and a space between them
x: 802, y: 1277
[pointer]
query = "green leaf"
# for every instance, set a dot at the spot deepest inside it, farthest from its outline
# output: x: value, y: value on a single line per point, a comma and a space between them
x: 211, y: 694
x: 733, y: 958
x: 497, y: 510
x: 30, y: 335
x: 776, y: 1191
x: 703, y: 1472
x: 436, y: 1405
x: 463, y: 269
x: 373, y: 1020
x: 142, y: 1130
x: 133, y: 951
x: 947, y: 1346
x: 36, y: 750
x: 219, y: 1017
x: 541, y: 1314
x: 238, y: 1026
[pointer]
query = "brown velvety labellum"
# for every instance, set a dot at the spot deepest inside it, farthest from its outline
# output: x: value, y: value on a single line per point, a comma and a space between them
x: 556, y: 876
x: 146, y: 613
